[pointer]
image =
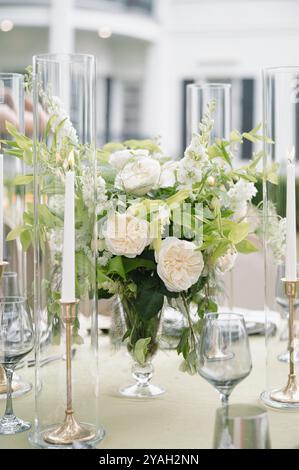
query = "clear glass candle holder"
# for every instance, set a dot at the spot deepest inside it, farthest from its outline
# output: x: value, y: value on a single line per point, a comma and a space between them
x: 67, y: 333
x: 281, y: 120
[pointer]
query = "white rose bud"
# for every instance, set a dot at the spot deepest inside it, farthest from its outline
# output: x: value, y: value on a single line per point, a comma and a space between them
x: 126, y: 235
x: 211, y: 180
x: 140, y: 176
x: 179, y: 265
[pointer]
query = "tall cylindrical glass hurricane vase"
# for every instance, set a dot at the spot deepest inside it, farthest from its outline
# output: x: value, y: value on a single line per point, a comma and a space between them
x: 281, y: 118
x: 67, y: 389
x: 12, y: 203
x: 199, y: 96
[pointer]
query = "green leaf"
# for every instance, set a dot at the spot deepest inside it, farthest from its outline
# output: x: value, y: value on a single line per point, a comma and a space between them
x: 212, y: 307
x: 47, y: 218
x: 178, y: 197
x: 183, y: 346
x: 113, y: 147
x: 22, y: 141
x: 250, y: 137
x: 271, y: 173
x: 26, y: 238
x: 238, y: 232
x: 235, y: 136
x: 256, y: 128
x: 28, y: 157
x: 23, y: 179
x: 15, y: 233
x: 49, y: 125
x: 149, y: 299
x: 221, y: 249
x: 116, y: 266
x: 140, y: 350
x: 225, y: 154
x: 246, y: 246
x: 130, y: 264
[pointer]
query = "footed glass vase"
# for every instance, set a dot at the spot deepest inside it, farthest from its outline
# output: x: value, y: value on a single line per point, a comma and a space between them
x: 142, y: 343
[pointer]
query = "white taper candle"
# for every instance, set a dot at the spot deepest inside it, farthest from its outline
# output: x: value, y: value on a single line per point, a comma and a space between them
x: 291, y: 241
x: 68, y: 264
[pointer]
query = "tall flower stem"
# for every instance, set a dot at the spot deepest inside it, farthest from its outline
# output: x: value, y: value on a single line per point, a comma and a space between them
x: 186, y: 307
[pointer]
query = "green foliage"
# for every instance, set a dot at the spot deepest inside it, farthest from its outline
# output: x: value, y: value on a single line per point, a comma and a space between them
x: 246, y: 247
x: 141, y: 350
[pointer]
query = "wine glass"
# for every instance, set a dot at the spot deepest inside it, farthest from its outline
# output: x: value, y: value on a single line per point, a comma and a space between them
x: 9, y: 287
x: 16, y: 341
x: 283, y: 302
x: 224, y: 357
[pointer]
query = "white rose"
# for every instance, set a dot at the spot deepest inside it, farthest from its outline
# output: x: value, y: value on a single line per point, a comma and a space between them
x: 227, y: 261
x: 125, y: 235
x: 168, y: 175
x: 140, y: 176
x: 120, y: 158
x: 179, y: 265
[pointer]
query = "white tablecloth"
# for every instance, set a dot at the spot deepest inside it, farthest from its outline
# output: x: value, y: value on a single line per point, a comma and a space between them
x: 182, y: 418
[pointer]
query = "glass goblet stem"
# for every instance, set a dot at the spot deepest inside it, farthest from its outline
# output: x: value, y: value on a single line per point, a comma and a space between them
x: 224, y: 397
x: 9, y: 408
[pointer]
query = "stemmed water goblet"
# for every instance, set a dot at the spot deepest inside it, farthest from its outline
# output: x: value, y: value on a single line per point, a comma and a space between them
x: 224, y: 357
x: 16, y: 341
x: 283, y: 302
x: 9, y: 287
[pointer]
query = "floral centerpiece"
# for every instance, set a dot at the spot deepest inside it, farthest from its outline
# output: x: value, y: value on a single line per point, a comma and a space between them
x: 168, y: 228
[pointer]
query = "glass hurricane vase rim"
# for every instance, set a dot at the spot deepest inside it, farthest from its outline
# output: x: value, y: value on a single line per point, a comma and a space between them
x: 210, y: 85
x: 66, y: 57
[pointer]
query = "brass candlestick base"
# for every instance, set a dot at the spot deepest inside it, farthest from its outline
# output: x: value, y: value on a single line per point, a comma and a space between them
x: 289, y: 393
x: 70, y: 430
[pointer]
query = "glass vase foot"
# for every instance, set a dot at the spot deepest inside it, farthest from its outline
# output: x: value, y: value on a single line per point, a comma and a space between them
x: 37, y: 440
x: 13, y: 425
x: 139, y: 391
x: 285, y: 357
x: 265, y: 397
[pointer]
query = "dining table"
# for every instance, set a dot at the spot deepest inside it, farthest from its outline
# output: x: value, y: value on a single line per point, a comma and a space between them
x: 182, y: 418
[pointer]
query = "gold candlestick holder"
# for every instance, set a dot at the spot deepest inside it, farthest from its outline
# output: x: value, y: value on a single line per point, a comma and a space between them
x: 287, y: 396
x: 70, y: 430
x: 289, y: 393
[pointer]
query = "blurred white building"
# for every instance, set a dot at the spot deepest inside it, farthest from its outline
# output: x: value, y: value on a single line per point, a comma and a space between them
x: 148, y: 50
